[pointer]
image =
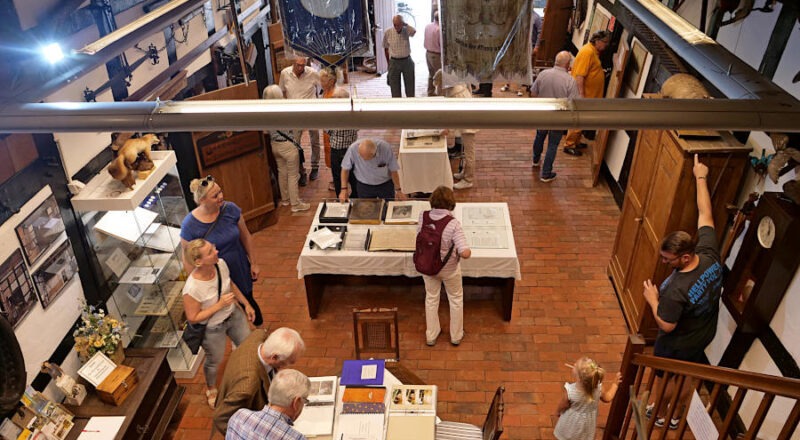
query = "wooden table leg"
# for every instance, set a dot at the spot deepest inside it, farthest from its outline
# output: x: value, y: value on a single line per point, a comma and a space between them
x: 507, y: 289
x: 314, y: 288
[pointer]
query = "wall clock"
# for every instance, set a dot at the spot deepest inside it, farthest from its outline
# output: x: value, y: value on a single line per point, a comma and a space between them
x: 766, y: 263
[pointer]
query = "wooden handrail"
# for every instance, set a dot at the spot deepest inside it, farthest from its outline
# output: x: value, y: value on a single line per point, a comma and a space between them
x: 692, y: 375
x: 779, y: 386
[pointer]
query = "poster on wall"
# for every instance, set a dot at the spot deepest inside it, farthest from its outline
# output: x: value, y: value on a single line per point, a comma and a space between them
x: 637, y: 64
x: 40, y: 230
x: 16, y: 291
x: 54, y: 273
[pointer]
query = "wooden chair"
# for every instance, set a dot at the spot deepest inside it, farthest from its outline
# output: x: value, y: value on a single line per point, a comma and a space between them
x: 376, y: 335
x: 492, y: 426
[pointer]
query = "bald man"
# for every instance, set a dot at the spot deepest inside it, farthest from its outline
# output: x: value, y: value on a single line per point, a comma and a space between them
x: 397, y: 48
x: 375, y: 168
x: 552, y: 83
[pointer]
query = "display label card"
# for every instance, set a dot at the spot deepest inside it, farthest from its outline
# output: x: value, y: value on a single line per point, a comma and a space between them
x: 117, y: 262
x: 369, y: 372
x: 97, y: 369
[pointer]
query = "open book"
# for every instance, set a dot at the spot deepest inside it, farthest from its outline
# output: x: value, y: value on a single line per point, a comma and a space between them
x: 317, y: 416
x: 412, y: 412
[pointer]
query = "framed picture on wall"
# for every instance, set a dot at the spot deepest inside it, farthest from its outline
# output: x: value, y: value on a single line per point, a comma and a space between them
x: 636, y: 66
x: 600, y: 21
x: 40, y: 230
x: 54, y: 273
x: 16, y: 291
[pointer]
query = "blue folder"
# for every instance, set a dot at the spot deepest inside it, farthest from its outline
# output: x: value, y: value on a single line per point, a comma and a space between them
x: 351, y: 373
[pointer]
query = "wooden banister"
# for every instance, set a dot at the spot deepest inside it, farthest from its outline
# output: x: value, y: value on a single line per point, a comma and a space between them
x: 687, y: 376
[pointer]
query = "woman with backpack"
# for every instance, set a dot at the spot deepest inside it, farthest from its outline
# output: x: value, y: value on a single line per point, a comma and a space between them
x: 438, y: 226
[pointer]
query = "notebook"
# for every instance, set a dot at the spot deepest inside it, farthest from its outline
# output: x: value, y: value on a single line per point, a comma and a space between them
x: 364, y: 400
x: 363, y: 372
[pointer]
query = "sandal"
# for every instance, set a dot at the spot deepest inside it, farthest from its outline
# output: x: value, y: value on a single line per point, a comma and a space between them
x: 211, y: 398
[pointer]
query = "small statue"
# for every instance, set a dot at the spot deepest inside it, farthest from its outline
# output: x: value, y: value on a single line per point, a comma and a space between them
x: 74, y: 392
x: 128, y: 161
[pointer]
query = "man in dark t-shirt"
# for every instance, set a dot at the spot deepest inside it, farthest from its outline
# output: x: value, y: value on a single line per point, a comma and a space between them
x: 686, y: 305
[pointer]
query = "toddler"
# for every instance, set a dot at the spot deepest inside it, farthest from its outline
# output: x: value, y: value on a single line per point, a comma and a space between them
x: 577, y: 411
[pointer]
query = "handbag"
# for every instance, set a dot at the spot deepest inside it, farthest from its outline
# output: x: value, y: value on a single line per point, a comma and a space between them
x: 193, y: 334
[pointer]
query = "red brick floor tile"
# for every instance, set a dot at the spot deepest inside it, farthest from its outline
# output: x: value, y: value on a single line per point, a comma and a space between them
x: 564, y: 305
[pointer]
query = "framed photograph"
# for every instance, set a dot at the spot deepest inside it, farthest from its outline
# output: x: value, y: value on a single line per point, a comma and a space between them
x: 17, y: 295
x: 636, y: 66
x: 54, y: 273
x: 40, y: 230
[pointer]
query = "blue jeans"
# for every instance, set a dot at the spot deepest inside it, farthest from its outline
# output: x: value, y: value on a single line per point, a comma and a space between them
x: 553, y: 139
x: 214, y: 342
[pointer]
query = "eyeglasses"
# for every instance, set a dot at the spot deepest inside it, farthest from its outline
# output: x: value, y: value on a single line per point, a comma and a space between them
x: 305, y: 400
x: 208, y: 180
x: 670, y: 260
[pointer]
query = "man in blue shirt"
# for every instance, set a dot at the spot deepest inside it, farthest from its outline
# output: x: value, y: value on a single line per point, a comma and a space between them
x: 288, y: 395
x: 375, y: 167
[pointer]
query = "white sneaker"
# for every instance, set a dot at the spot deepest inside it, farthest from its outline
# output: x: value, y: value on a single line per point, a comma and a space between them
x: 302, y: 206
x: 505, y: 88
x: 458, y: 176
x: 463, y: 184
x: 520, y: 93
x: 285, y: 203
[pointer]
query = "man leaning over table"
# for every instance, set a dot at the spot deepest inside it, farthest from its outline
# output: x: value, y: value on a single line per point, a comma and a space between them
x: 288, y: 395
x: 375, y: 168
x: 250, y: 370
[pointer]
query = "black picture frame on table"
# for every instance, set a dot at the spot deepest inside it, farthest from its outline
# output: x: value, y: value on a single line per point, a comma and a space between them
x: 40, y: 230
x: 17, y: 295
x: 55, y: 273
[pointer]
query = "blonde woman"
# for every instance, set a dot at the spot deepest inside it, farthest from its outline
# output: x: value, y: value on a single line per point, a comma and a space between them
x: 284, y: 147
x: 221, y: 223
x: 210, y: 298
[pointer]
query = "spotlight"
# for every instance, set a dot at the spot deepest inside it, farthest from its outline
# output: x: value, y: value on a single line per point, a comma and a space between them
x: 52, y: 53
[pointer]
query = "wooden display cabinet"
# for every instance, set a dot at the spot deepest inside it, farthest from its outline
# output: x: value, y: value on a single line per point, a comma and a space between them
x: 660, y: 198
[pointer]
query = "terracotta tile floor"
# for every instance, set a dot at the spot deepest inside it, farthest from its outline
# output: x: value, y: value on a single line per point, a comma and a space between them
x: 564, y: 305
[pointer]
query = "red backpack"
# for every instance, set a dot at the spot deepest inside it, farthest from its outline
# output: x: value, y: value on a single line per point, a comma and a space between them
x: 427, y: 256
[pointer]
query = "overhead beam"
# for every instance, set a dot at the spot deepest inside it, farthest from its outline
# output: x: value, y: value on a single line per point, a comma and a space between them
x: 495, y: 113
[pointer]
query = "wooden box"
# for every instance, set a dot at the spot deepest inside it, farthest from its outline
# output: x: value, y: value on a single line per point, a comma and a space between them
x: 118, y: 385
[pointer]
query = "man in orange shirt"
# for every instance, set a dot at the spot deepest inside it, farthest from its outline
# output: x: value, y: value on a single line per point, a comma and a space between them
x: 588, y: 73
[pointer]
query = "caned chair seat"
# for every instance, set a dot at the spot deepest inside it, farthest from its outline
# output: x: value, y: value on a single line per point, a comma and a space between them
x: 458, y: 431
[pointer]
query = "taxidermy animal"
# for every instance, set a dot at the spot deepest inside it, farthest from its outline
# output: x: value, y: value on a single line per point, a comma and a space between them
x: 684, y: 86
x: 122, y: 167
x: 783, y: 153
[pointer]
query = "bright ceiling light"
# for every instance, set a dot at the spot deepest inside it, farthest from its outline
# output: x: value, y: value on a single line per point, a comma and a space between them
x: 52, y: 53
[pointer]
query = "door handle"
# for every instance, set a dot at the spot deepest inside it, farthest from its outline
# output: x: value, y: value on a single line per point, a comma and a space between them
x: 638, y: 219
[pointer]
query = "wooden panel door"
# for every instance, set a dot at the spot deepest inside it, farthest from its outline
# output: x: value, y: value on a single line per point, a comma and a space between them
x: 666, y: 178
x: 643, y: 264
x: 238, y: 161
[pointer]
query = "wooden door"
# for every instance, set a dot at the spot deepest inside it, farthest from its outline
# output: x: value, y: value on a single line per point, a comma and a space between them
x: 238, y: 162
x: 645, y: 260
x: 554, y: 31
x: 633, y: 207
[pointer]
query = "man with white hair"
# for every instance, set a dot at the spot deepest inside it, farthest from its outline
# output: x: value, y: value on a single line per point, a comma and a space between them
x: 375, y: 168
x: 288, y: 396
x: 552, y: 83
x: 300, y: 81
x: 251, y: 369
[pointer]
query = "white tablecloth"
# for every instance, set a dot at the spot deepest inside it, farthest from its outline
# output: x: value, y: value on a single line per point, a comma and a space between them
x: 424, y: 169
x: 495, y: 263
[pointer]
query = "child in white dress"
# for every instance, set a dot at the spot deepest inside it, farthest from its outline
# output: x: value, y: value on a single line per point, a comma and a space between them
x: 577, y: 411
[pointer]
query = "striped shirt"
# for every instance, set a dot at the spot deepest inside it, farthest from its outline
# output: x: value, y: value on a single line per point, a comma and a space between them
x: 342, y: 139
x: 452, y: 234
x: 397, y: 42
x: 267, y: 424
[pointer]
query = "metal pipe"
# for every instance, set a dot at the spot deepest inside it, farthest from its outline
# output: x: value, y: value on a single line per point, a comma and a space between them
x: 730, y: 75
x: 497, y: 113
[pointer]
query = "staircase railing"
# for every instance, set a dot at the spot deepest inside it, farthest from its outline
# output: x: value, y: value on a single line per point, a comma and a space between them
x: 639, y: 372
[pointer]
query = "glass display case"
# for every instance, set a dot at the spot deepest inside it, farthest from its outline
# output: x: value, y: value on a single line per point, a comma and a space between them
x: 135, y: 236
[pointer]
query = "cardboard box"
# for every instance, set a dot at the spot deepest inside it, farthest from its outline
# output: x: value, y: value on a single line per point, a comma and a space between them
x: 118, y: 385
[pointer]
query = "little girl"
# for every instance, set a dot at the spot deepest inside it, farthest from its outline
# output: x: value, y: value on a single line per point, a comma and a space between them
x: 577, y: 411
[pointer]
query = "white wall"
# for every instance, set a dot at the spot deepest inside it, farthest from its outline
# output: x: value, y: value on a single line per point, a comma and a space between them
x: 747, y: 39
x: 60, y: 314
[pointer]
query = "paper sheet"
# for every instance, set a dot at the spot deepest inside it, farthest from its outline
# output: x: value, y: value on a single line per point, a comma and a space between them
x: 359, y: 427
x: 126, y: 225
x: 102, y: 428
x: 699, y: 421
x: 325, y: 238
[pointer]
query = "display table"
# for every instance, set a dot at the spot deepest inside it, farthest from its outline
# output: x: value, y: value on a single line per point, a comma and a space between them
x: 150, y: 406
x: 423, y: 169
x: 495, y: 267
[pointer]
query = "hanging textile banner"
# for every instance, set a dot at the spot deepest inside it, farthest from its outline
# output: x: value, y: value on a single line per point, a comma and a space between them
x: 486, y: 40
x: 326, y: 30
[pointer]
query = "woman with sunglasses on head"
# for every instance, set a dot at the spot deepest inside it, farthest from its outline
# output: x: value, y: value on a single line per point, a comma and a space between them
x: 222, y: 224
